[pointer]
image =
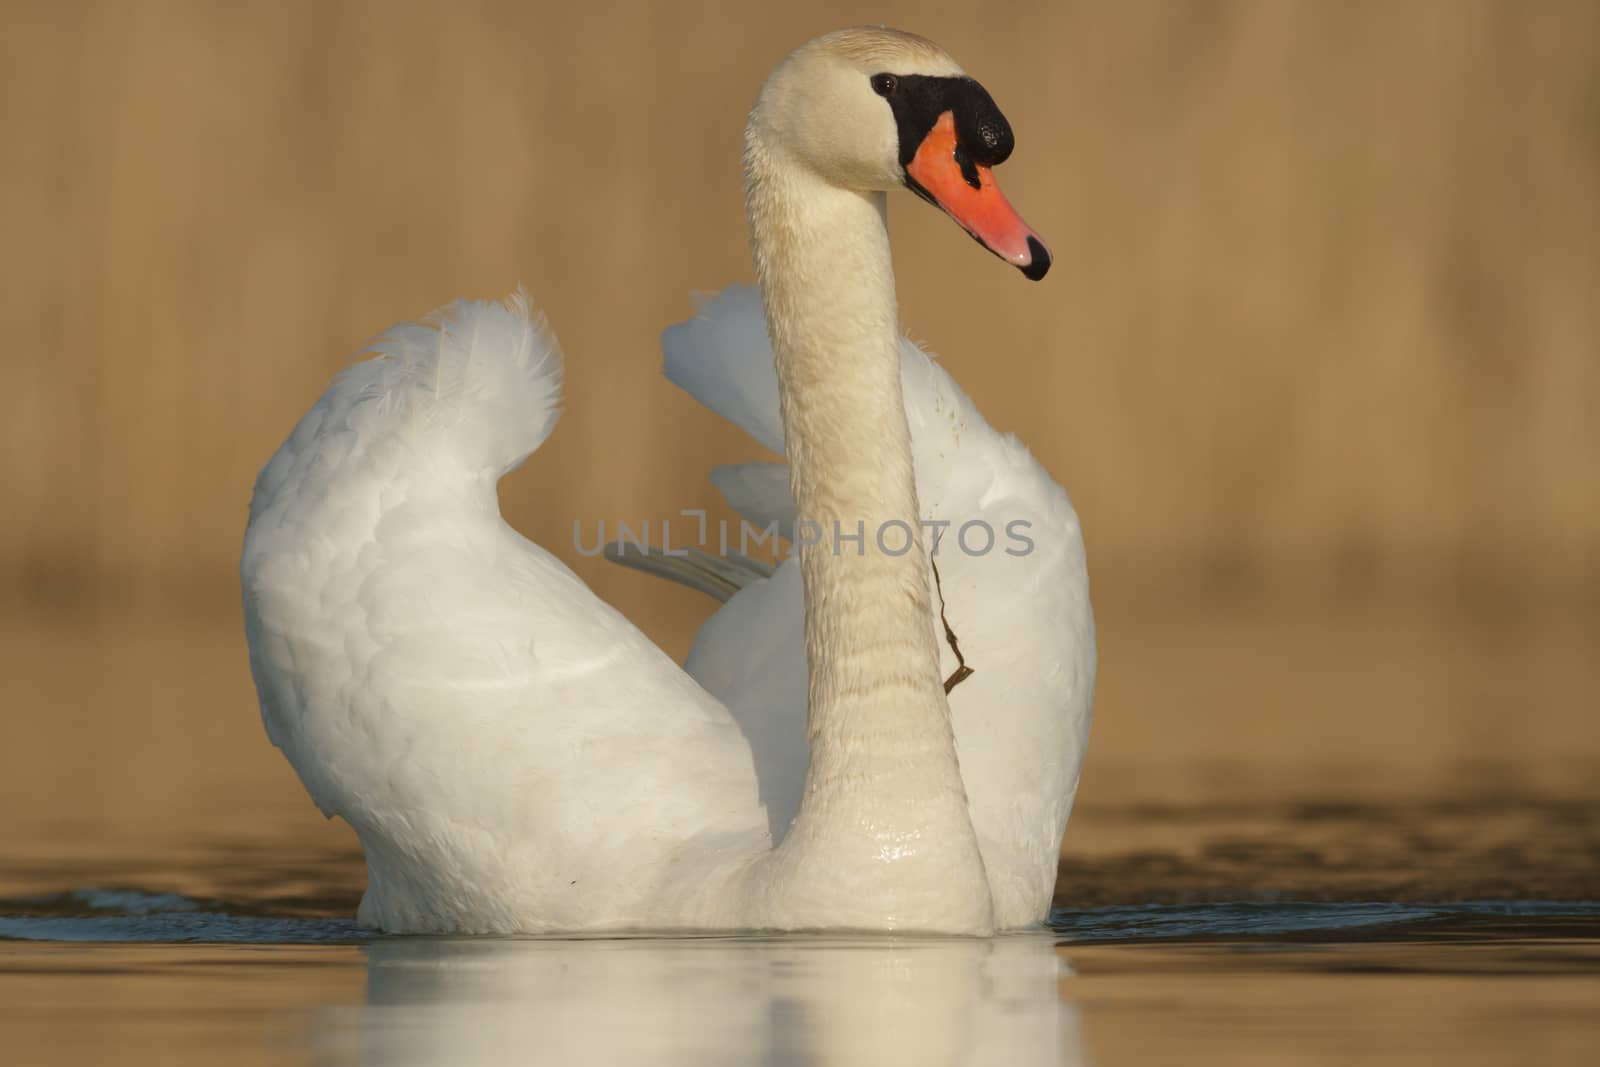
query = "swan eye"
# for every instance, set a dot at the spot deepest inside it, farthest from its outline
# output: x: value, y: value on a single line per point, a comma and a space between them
x: 884, y: 84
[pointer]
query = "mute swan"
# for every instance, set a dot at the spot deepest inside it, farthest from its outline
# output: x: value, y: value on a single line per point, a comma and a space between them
x: 516, y: 757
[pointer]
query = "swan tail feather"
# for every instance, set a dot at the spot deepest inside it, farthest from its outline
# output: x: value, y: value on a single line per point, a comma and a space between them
x: 479, y: 378
x: 759, y: 492
x: 723, y: 359
x: 738, y: 569
x: 478, y: 381
x: 717, y: 577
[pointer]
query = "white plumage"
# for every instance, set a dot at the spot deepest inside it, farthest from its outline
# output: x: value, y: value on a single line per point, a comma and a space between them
x: 515, y: 756
x: 1023, y: 621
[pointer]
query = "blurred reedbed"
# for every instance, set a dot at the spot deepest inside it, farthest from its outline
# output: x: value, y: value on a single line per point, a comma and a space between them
x: 1324, y: 316
x: 1319, y: 362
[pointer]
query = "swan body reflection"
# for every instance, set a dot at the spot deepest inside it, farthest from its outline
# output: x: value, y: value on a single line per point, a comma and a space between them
x: 927, y: 1002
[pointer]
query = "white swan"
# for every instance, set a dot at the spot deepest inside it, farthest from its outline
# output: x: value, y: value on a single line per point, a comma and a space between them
x: 516, y: 757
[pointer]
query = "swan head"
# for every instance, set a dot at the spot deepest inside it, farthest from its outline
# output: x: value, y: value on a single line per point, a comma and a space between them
x: 874, y: 109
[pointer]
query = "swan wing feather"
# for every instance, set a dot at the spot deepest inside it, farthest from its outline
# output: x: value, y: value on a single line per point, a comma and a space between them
x: 514, y: 754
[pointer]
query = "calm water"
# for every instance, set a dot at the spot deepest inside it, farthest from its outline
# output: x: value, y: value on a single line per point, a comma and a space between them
x: 1390, y: 864
x: 98, y: 976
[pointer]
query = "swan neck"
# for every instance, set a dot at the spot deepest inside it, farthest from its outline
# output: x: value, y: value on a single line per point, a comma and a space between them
x: 822, y: 255
x: 882, y: 748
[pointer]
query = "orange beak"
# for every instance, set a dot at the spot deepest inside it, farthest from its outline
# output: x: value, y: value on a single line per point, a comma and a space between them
x: 943, y: 173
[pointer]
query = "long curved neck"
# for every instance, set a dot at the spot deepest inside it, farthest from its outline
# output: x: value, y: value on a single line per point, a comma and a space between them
x: 822, y: 256
x: 883, y: 790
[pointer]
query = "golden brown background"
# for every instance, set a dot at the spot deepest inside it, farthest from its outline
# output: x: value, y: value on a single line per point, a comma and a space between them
x: 1319, y: 360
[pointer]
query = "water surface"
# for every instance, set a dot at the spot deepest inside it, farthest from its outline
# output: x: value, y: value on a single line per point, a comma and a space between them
x: 1393, y: 864
x: 117, y: 975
